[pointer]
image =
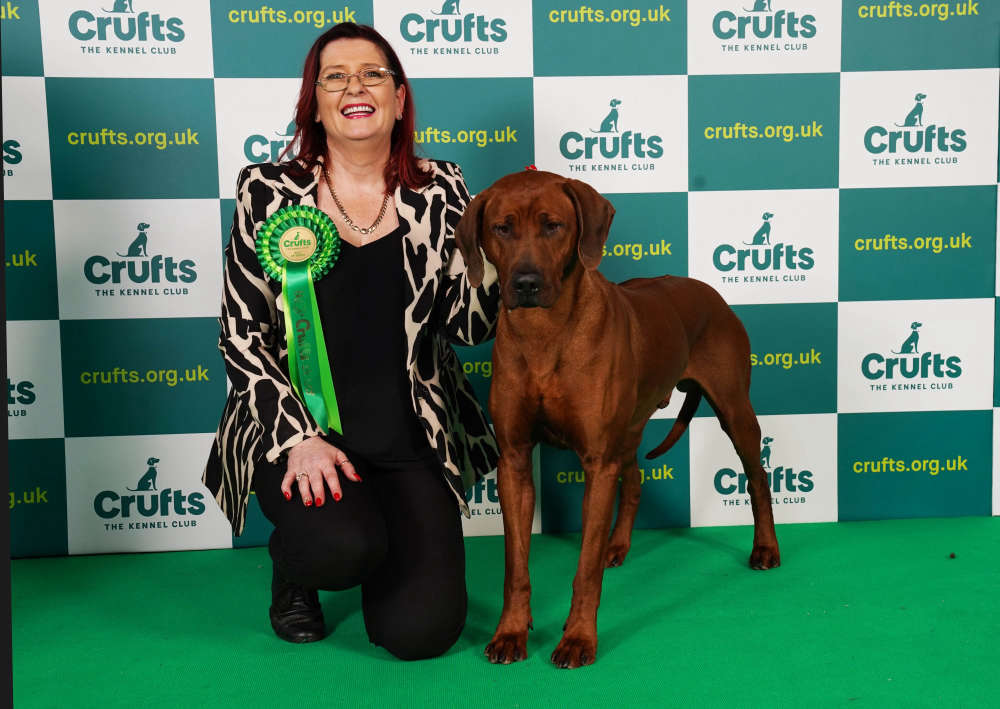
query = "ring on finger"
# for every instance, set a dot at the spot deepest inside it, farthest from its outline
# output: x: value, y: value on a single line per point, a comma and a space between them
x: 299, y: 476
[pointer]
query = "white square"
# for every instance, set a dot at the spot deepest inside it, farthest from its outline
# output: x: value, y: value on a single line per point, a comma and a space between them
x: 799, y: 454
x: 27, y: 173
x: 134, y: 39
x: 768, y: 246
x: 918, y: 128
x: 621, y: 134
x: 254, y: 120
x: 155, y: 258
x: 439, y: 39
x: 141, y: 493
x: 771, y: 37
x: 915, y: 355
x: 34, y: 380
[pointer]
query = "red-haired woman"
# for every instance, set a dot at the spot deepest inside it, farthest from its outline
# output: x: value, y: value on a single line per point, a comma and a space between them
x: 377, y: 506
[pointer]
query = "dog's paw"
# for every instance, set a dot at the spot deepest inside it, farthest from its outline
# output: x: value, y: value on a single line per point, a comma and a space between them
x: 573, y: 652
x: 765, y: 557
x: 506, y: 648
x: 616, y: 555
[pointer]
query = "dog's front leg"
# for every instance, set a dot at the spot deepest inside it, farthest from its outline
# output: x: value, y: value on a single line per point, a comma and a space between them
x: 578, y: 646
x: 517, y: 502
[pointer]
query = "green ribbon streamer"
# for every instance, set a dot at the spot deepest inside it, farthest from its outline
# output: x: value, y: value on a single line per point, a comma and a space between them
x: 308, y: 362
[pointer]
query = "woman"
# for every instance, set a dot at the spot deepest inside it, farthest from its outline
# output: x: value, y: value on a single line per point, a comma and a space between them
x: 377, y: 505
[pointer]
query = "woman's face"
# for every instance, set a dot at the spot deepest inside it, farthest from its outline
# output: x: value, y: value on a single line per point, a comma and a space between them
x: 359, y: 112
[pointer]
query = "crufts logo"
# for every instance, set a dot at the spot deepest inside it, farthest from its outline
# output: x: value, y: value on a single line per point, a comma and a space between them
x: 149, y: 501
x: 259, y: 148
x: 122, y: 23
x: 912, y: 364
x: 19, y: 395
x: 762, y: 255
x: 780, y: 478
x: 136, y: 266
x: 609, y: 141
x: 913, y: 136
x: 450, y: 25
x: 761, y: 22
x: 12, y: 154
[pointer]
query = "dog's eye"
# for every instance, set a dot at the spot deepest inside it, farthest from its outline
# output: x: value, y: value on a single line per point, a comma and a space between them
x: 501, y: 229
x: 553, y: 227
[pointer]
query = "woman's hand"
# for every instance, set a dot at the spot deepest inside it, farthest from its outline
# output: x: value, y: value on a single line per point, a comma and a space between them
x: 310, y: 463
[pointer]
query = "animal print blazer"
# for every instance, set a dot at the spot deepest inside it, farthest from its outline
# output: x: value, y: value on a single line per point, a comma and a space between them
x: 263, y: 417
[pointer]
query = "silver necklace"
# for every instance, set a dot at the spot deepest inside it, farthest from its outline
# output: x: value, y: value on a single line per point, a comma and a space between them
x: 343, y: 212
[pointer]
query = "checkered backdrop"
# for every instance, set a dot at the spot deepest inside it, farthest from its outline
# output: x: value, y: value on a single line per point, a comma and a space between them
x: 829, y: 166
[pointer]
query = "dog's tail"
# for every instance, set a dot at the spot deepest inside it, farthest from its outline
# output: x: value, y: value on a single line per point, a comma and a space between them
x: 680, y: 425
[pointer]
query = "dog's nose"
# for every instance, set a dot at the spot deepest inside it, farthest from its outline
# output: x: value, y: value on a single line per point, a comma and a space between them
x: 527, y: 285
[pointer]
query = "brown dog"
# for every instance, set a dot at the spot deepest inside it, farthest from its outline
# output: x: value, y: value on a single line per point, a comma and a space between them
x: 582, y: 363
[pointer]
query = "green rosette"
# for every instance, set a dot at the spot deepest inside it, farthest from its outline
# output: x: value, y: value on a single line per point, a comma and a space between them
x: 298, y: 245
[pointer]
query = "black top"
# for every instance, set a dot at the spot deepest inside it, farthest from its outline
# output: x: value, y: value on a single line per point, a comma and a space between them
x: 361, y: 303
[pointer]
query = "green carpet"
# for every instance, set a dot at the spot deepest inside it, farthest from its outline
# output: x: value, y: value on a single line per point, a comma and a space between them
x: 872, y: 614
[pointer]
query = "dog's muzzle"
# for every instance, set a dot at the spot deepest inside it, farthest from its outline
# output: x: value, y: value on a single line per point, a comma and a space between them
x: 526, y: 288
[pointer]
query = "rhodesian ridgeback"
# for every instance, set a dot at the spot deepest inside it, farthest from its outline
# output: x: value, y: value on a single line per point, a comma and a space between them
x: 582, y: 363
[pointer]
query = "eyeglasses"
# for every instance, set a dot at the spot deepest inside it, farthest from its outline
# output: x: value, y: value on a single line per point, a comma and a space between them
x: 338, y: 80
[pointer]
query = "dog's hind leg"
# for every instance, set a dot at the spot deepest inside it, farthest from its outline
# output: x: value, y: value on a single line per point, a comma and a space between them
x: 628, y: 505
x: 740, y: 423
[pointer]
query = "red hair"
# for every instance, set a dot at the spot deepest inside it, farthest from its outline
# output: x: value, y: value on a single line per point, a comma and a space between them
x: 310, y: 137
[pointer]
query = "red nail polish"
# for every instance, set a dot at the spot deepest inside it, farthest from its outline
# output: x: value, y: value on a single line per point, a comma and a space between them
x: 319, y: 501
x: 358, y: 477
x: 309, y: 503
x: 336, y: 497
x: 288, y: 495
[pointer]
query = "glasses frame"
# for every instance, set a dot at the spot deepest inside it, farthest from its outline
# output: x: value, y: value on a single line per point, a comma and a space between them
x: 357, y: 74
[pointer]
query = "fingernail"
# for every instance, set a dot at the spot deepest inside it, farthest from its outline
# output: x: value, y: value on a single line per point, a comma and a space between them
x: 288, y: 495
x: 358, y: 477
x: 309, y: 503
x: 319, y: 501
x: 336, y: 497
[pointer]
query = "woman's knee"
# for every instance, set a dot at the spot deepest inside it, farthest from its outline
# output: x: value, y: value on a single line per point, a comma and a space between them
x: 421, y: 635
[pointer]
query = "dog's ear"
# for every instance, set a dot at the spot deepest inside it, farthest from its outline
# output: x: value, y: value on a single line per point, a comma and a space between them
x: 593, y: 221
x: 468, y: 234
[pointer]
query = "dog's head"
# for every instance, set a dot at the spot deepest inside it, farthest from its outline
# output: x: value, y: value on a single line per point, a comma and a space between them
x: 152, y: 461
x: 536, y: 228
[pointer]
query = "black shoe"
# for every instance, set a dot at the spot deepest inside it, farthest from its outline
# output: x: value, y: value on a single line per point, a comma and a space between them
x: 295, y: 612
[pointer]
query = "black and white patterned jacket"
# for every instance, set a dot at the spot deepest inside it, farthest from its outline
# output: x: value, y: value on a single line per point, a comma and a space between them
x: 263, y: 417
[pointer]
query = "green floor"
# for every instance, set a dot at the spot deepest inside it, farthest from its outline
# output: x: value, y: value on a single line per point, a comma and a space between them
x: 872, y: 614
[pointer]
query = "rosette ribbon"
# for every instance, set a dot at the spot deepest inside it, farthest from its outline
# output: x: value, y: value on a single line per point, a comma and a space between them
x: 298, y: 245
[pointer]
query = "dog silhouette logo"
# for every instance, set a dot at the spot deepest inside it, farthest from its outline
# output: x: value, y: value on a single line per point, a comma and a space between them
x: 910, y: 343
x: 138, y: 246
x: 450, y: 7
x: 610, y: 122
x: 760, y: 6
x: 763, y: 235
x: 121, y: 6
x: 765, y: 452
x: 916, y: 115
x: 148, y: 480
x: 289, y: 131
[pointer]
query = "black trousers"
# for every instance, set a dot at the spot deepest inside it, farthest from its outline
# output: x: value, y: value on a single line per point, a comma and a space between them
x: 397, y: 533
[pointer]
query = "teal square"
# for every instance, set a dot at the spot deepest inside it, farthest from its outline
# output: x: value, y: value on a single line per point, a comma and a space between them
x: 648, y: 236
x: 666, y: 489
x: 20, y: 39
x: 770, y: 131
x: 793, y: 358
x: 30, y: 260
x: 898, y: 465
x: 141, y: 376
x: 132, y: 138
x: 477, y: 363
x: 491, y: 136
x: 606, y: 40
x: 37, y: 470
x: 918, y: 243
x: 272, y: 42
x: 903, y: 39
